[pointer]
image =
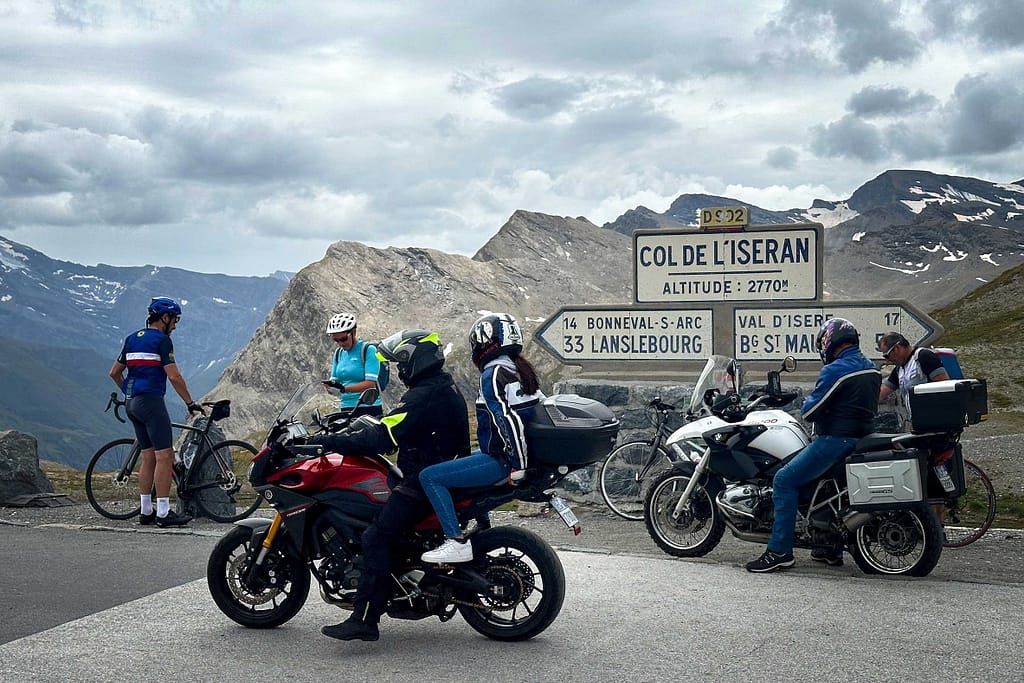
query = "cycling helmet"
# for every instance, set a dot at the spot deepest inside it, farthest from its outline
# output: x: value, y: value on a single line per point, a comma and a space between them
x: 417, y: 353
x: 493, y: 335
x: 831, y: 334
x: 159, y: 305
x: 342, y: 322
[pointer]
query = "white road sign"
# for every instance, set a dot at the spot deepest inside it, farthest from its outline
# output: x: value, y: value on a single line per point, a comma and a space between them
x: 596, y: 334
x: 766, y: 333
x: 747, y: 265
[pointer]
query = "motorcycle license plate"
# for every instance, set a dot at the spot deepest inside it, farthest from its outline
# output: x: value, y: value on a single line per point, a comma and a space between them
x: 566, y: 513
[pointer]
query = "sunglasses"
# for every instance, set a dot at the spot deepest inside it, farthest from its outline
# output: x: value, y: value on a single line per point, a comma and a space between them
x: 886, y: 354
x: 341, y: 337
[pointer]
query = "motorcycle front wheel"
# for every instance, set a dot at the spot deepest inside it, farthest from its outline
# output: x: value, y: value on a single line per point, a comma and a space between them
x: 697, y: 529
x: 527, y: 585
x: 272, y: 597
x: 899, y: 542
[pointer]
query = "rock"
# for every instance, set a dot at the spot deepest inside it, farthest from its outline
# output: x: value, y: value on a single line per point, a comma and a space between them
x: 19, y: 467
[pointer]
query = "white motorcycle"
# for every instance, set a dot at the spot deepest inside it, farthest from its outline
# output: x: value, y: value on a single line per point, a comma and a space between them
x: 871, y: 504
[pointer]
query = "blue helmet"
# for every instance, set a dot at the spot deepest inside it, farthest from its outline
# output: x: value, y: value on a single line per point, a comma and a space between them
x: 163, y: 304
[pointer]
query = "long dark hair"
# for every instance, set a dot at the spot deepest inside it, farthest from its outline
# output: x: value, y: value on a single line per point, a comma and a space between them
x: 527, y: 375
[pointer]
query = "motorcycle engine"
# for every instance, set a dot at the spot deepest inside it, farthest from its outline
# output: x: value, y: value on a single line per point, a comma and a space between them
x: 748, y: 507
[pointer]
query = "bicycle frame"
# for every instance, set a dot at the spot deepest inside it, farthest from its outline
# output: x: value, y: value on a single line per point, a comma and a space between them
x: 180, y: 479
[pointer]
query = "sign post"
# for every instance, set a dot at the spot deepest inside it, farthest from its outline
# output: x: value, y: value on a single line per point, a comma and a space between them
x: 751, y: 292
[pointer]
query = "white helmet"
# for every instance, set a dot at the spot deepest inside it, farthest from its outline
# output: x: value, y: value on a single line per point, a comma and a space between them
x: 342, y: 322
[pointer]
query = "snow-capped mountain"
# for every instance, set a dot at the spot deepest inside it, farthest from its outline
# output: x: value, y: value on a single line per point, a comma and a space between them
x: 914, y: 235
x: 52, y: 311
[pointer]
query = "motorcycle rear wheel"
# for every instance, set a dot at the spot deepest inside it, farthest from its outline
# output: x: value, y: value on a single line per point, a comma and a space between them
x: 528, y: 585
x: 264, y: 607
x: 697, y: 530
x: 899, y: 542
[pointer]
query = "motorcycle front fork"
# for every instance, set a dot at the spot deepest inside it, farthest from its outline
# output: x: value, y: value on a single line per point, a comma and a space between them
x: 265, y: 546
x: 698, y: 472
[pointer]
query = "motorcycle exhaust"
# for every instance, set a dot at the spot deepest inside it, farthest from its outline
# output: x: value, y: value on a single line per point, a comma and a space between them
x: 854, y: 520
x: 752, y: 537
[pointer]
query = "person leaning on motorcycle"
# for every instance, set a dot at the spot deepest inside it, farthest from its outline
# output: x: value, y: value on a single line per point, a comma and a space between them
x: 842, y: 409
x: 429, y: 425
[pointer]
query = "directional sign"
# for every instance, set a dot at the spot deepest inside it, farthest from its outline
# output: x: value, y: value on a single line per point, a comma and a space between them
x: 612, y: 334
x: 773, y: 332
x: 765, y: 263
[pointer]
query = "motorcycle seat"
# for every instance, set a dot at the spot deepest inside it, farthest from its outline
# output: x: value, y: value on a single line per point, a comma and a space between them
x: 875, y: 442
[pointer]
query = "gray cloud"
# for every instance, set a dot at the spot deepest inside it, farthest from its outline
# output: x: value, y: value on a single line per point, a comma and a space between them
x: 848, y: 137
x: 995, y: 23
x: 533, y: 99
x: 985, y: 116
x: 783, y: 158
x: 853, y: 33
x: 888, y: 101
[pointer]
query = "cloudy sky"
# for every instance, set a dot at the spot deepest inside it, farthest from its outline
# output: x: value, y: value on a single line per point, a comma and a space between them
x: 244, y: 137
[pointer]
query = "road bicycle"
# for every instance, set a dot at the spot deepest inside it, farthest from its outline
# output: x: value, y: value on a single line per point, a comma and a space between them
x: 631, y: 468
x: 212, y: 476
x: 966, y: 517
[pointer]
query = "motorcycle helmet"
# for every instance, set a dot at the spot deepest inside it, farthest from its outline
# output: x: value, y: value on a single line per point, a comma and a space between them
x: 342, y: 322
x: 417, y: 353
x: 831, y: 334
x: 160, y: 305
x: 493, y: 335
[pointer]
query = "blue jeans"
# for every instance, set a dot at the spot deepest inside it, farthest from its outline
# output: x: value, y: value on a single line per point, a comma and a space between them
x: 809, y: 464
x: 478, y: 469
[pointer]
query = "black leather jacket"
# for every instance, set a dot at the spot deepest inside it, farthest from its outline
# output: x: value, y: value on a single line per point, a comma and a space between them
x: 429, y: 425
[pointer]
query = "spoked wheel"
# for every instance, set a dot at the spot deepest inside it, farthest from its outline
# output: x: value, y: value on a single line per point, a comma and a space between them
x: 220, y: 484
x: 527, y: 585
x: 899, y: 542
x: 971, y: 515
x: 269, y: 599
x: 699, y: 526
x: 627, y: 473
x: 112, y: 480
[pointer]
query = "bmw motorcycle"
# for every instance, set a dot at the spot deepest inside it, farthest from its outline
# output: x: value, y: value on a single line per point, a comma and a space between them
x: 259, y: 573
x: 872, y: 505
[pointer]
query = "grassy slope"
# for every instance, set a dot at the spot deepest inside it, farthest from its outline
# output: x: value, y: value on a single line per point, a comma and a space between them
x: 987, y: 329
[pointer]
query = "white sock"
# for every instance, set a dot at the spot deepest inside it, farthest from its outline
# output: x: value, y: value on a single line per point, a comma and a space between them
x: 147, y: 504
x: 163, y: 506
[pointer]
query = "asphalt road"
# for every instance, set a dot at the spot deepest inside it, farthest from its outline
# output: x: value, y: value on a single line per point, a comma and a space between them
x: 106, y: 606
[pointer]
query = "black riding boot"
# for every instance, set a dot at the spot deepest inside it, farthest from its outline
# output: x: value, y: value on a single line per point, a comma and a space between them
x: 370, y: 602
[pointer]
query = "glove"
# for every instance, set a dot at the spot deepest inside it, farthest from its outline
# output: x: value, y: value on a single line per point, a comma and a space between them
x: 516, y: 476
x: 194, y: 408
x: 330, y: 383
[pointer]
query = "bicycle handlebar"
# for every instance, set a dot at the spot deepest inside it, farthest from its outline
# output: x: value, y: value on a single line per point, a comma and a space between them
x: 117, y: 403
x: 113, y: 401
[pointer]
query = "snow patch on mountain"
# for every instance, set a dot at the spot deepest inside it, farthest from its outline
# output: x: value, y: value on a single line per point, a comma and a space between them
x: 908, y: 271
x: 829, y: 217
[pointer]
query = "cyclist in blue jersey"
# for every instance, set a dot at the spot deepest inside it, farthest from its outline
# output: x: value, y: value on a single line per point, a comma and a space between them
x: 354, y: 368
x: 148, y: 358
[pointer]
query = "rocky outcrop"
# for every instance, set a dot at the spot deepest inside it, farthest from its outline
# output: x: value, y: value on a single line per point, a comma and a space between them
x: 19, y: 467
x: 533, y: 265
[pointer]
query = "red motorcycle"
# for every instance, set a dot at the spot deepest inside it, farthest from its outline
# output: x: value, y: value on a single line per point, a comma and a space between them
x: 259, y: 572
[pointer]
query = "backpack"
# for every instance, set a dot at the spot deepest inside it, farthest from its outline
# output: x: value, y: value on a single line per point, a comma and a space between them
x: 950, y: 362
x: 383, y: 377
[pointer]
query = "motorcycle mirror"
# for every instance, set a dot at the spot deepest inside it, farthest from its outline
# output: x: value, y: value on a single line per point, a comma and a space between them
x: 788, y: 364
x: 368, y: 397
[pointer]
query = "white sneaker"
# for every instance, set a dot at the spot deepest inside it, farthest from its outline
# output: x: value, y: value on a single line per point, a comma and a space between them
x: 450, y: 552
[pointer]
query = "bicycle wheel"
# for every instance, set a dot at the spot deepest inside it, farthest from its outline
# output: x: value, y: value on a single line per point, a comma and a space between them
x: 111, y: 490
x: 970, y: 516
x: 219, y: 482
x: 627, y: 473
